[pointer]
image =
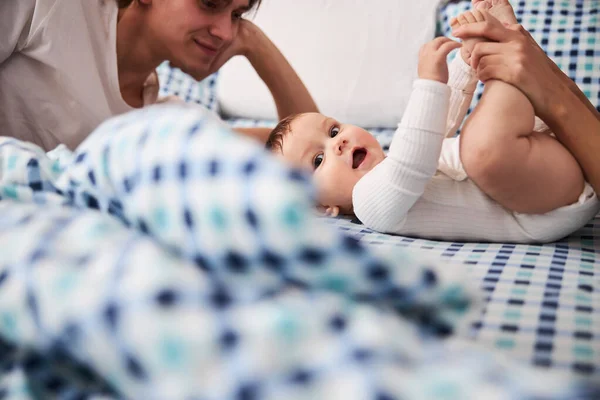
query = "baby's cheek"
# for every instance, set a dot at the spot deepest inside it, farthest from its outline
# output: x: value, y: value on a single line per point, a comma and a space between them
x: 335, y: 188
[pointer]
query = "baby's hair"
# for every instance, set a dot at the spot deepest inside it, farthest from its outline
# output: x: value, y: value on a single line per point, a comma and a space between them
x: 275, y: 140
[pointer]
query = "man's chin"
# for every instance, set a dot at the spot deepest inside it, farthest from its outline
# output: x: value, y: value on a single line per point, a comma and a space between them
x: 197, y: 71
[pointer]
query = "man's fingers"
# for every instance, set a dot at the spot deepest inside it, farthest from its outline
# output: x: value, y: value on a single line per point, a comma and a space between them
x: 495, y: 69
x: 482, y: 29
x: 492, y: 72
x: 491, y: 60
x: 485, y: 49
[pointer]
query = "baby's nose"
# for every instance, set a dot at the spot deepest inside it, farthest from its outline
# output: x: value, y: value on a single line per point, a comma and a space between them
x: 341, y: 145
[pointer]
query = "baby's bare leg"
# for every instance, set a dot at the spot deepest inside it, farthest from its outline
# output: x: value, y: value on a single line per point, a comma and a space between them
x: 523, y: 170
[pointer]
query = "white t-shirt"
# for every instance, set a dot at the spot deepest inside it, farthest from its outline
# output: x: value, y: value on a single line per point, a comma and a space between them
x: 58, y: 69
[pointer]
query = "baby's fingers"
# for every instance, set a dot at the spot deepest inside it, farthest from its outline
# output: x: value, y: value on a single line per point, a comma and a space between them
x: 333, y: 211
x: 448, y: 46
x: 439, y: 41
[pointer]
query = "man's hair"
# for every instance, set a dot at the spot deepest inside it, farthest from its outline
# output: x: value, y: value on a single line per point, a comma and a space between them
x: 275, y: 140
x: 125, y: 3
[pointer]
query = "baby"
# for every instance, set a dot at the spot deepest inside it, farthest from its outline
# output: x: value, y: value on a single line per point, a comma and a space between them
x: 505, y: 179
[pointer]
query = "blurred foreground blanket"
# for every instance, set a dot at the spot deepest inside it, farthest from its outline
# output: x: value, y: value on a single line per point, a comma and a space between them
x: 168, y: 258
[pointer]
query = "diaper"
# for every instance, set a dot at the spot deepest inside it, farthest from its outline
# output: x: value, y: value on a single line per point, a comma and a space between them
x: 547, y: 227
x: 449, y: 162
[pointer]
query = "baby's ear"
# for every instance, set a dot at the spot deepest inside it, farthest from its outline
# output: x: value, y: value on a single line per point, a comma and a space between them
x: 329, y: 211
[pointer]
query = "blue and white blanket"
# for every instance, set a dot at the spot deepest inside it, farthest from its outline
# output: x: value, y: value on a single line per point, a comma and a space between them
x: 168, y: 258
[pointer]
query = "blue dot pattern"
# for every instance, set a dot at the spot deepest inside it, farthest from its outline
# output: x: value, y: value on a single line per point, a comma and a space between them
x: 567, y: 30
x: 119, y: 285
x: 175, y: 82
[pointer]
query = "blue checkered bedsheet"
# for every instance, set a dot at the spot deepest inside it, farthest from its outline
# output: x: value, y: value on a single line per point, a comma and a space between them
x: 542, y: 301
x: 567, y: 30
x: 168, y: 258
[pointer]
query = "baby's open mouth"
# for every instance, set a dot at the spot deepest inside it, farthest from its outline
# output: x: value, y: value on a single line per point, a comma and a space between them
x: 358, y: 157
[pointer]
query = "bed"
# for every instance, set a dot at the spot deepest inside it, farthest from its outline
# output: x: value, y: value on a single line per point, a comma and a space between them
x: 198, y: 268
x: 542, y: 300
x: 178, y: 274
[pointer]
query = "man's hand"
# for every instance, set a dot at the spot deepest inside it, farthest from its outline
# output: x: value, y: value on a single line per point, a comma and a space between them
x: 432, y: 59
x: 240, y: 46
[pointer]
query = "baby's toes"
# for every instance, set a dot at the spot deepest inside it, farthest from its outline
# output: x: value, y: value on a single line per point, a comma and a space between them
x: 462, y: 19
x: 454, y: 23
x: 484, y: 5
x: 479, y: 16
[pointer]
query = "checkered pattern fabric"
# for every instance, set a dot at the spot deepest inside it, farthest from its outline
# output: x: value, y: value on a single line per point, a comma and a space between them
x: 175, y: 82
x: 567, y: 30
x: 215, y: 280
x: 541, y: 300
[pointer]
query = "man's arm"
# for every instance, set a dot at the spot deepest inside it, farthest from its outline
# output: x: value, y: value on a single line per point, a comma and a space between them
x: 578, y: 129
x: 516, y: 59
x: 289, y: 93
x: 559, y: 73
x: 259, y: 134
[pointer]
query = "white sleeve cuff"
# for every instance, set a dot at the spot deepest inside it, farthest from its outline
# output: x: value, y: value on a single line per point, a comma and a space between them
x: 427, y: 107
x: 462, y: 76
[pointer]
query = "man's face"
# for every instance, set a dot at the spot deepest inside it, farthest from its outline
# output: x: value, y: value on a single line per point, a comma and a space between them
x: 192, y: 33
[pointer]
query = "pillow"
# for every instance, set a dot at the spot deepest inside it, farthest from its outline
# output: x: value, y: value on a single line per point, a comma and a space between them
x: 174, y: 81
x: 569, y: 33
x: 357, y: 58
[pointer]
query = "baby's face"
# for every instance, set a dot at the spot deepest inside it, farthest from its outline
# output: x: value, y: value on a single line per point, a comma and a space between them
x: 337, y: 154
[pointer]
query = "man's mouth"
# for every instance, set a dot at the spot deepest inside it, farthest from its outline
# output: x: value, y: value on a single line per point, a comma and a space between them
x: 209, y: 49
x: 358, y: 156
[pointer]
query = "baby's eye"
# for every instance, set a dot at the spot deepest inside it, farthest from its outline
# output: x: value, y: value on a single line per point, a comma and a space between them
x: 318, y: 160
x: 334, y: 131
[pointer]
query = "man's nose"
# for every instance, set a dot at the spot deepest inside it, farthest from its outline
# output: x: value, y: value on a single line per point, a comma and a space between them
x: 222, y: 27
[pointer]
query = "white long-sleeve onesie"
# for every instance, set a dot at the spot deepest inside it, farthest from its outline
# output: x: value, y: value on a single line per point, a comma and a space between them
x: 420, y: 189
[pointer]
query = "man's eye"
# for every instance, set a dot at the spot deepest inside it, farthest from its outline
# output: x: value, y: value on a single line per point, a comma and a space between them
x: 210, y: 4
x: 334, y: 131
x: 318, y: 160
x: 237, y: 16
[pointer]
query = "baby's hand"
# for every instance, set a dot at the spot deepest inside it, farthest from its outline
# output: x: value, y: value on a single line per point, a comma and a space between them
x: 328, y: 211
x: 432, y: 59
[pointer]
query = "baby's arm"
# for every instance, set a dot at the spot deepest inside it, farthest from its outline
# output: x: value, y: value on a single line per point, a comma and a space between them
x: 463, y: 82
x: 382, y: 197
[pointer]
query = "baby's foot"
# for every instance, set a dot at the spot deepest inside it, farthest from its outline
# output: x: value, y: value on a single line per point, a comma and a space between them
x: 469, y: 17
x: 501, y: 9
